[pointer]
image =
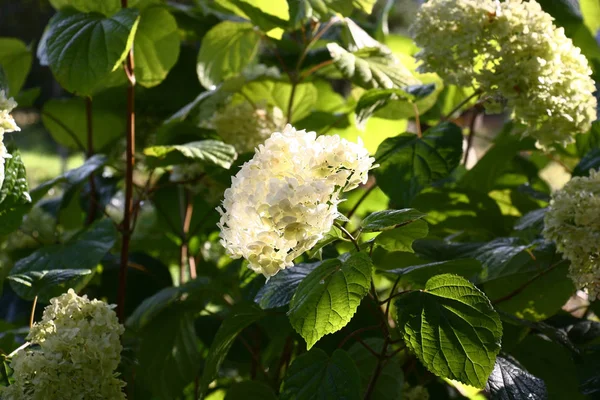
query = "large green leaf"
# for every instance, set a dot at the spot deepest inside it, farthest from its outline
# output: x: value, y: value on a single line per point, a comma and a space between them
x: 509, y: 380
x: 419, y: 274
x: 279, y: 290
x: 168, y: 356
x: 391, y: 380
x: 66, y: 121
x: 315, y: 376
x: 15, y: 59
x: 390, y: 219
x: 452, y: 328
x: 303, y: 10
x: 106, y: 7
x: 409, y: 163
x: 47, y: 272
x: 374, y: 67
x: 15, y: 201
x: 83, y: 49
x: 225, y: 51
x: 402, y: 238
x: 241, y: 317
x: 328, y: 297
x: 277, y: 93
x: 590, y: 161
x: 207, y: 151
x: 156, y: 46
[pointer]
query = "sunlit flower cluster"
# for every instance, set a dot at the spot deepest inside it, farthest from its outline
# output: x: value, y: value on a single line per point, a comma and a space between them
x: 79, y: 351
x: 246, y: 125
x: 285, y: 199
x: 573, y: 223
x: 513, y: 53
x: 7, y: 124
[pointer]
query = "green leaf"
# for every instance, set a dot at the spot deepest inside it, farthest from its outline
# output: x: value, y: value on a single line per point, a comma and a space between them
x: 71, y: 178
x: 83, y: 49
x: 373, y: 67
x: 32, y: 276
x: 106, y: 7
x: 303, y: 10
x: 419, y: 274
x: 277, y: 93
x: 373, y: 101
x: 156, y: 46
x: 390, y: 219
x: 261, y: 16
x: 15, y: 202
x: 409, y: 163
x: 168, y: 356
x: 225, y: 51
x: 250, y: 390
x: 66, y: 121
x: 208, y: 151
x: 402, y: 238
x: 328, y: 297
x: 15, y: 59
x: 452, y: 328
x: 588, y: 141
x: 279, y: 290
x: 391, y: 380
x: 315, y: 376
x: 240, y: 318
x: 535, y: 295
x: 509, y: 380
x: 552, y: 363
x: 189, y: 296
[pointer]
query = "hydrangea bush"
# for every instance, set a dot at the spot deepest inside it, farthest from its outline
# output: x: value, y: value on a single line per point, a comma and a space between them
x: 291, y: 200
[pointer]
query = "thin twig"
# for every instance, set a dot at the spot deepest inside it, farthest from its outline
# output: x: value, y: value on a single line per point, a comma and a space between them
x: 471, y: 134
x: 21, y: 347
x: 359, y: 202
x: 378, y: 369
x: 66, y: 129
x: 352, y: 238
x: 357, y: 332
x: 526, y: 284
x: 188, y: 209
x: 126, y: 227
x: 314, y: 69
x: 461, y: 104
x: 31, y: 317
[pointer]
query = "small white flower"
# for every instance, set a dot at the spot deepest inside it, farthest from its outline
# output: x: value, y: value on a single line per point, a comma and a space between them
x: 573, y: 223
x: 285, y: 199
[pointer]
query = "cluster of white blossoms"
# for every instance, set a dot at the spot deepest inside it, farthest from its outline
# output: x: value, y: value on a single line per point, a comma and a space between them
x: 7, y: 124
x: 246, y: 125
x: 573, y: 223
x: 513, y: 53
x: 285, y: 199
x: 79, y: 351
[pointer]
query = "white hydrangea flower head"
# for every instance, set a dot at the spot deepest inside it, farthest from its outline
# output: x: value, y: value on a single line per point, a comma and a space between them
x: 79, y: 351
x: 7, y: 124
x: 285, y: 199
x: 520, y: 56
x: 573, y: 223
x: 451, y: 34
x: 246, y: 125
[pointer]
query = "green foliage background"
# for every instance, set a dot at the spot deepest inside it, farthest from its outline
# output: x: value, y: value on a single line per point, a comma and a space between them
x: 439, y: 278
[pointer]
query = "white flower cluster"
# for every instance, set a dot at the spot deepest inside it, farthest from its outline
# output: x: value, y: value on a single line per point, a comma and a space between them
x: 285, y: 199
x: 513, y: 52
x: 7, y: 124
x: 78, y: 355
x: 246, y: 125
x: 573, y: 223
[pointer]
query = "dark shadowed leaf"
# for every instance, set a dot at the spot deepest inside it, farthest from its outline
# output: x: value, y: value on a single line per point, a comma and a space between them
x: 315, y: 376
x: 279, y: 290
x: 510, y: 381
x: 420, y: 274
x: 390, y: 219
x: 208, y: 151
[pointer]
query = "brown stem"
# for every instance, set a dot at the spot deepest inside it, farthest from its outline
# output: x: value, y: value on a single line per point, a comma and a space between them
x: 291, y: 101
x: 35, y: 299
x: 126, y: 227
x: 92, y: 207
x: 357, y: 332
x: 314, y: 69
x: 378, y: 369
x: 185, y: 259
x: 461, y: 104
x: 417, y: 120
x: 349, y: 235
x: 471, y: 134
